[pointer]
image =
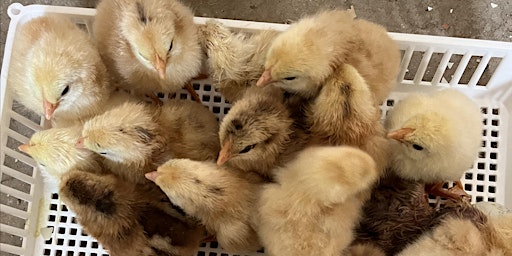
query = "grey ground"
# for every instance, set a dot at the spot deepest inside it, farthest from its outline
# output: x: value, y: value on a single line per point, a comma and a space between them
x: 464, y: 18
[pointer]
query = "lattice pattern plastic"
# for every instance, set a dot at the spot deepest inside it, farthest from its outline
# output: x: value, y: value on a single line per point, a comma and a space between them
x: 480, y: 69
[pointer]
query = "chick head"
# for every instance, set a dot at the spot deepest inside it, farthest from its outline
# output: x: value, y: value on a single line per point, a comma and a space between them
x: 54, y: 150
x: 427, y: 149
x: 127, y: 133
x: 159, y: 33
x: 66, y: 68
x: 255, y: 129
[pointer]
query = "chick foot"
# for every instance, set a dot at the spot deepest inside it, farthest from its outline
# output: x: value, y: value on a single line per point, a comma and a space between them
x: 155, y: 99
x: 192, y: 92
x: 456, y: 192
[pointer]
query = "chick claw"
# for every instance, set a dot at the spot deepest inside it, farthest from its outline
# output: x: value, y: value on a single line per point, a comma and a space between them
x: 456, y: 192
x: 192, y: 92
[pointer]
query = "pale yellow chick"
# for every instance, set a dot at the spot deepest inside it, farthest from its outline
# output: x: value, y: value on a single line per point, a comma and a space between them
x: 222, y: 200
x: 56, y: 71
x: 316, y: 202
x: 148, y: 45
x: 301, y: 58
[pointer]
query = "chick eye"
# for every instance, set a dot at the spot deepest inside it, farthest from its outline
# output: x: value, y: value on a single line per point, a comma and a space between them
x: 142, y: 56
x: 170, y: 47
x: 103, y: 153
x: 65, y: 91
x: 417, y: 147
x: 43, y: 165
x: 247, y: 149
x: 290, y: 78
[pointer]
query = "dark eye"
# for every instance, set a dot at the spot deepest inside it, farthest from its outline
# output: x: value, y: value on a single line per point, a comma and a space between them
x: 417, y: 147
x: 247, y: 149
x: 43, y: 165
x: 103, y: 153
x: 170, y: 47
x: 65, y: 91
x: 290, y: 78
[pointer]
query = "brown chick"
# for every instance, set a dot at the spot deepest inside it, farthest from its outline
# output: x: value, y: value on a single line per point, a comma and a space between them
x: 302, y: 57
x: 258, y: 133
x: 139, y: 137
x: 56, y: 71
x: 129, y: 219
x: 220, y: 199
x: 316, y: 202
x: 148, y: 45
x: 235, y: 60
x: 343, y: 114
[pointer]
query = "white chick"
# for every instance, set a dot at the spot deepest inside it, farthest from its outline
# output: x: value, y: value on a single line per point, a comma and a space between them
x: 316, y: 202
x: 235, y: 60
x: 436, y: 138
x: 135, y: 138
x: 303, y: 56
x: 56, y: 71
x: 220, y: 199
x: 148, y: 45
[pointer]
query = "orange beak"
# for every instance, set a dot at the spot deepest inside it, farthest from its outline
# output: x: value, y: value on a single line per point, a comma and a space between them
x: 225, y: 153
x: 265, y: 79
x: 49, y: 108
x: 80, y: 143
x: 400, y: 134
x: 24, y: 148
x: 160, y: 66
x: 152, y: 176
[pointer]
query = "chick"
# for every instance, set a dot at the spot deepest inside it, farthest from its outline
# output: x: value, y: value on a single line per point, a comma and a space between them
x: 135, y: 138
x: 148, y: 45
x: 128, y: 219
x: 258, y: 133
x: 315, y: 204
x: 57, y: 72
x: 302, y: 57
x: 343, y: 114
x: 235, y: 60
x: 436, y: 138
x: 55, y: 152
x: 220, y: 199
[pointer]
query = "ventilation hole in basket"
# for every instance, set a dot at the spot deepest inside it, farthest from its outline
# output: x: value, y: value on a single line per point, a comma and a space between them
x: 196, y: 86
x: 200, y: 253
x: 62, y: 230
x: 491, y: 199
x: 29, y: 114
x: 217, y: 99
x: 226, y: 111
x: 58, y: 253
x: 262, y: 250
x: 55, y: 196
x: 481, y: 166
x: 160, y: 95
x: 480, y: 177
x: 494, y: 134
x: 493, y: 155
x: 73, y: 220
x: 207, y: 87
x: 60, y: 241
x: 224, y: 254
x: 495, y: 122
x: 82, y: 26
x: 49, y: 241
x: 481, y: 155
x: 473, y: 63
x: 202, y: 245
x: 491, y: 189
x: 453, y: 63
x: 216, y: 110
x: 483, y: 143
x: 390, y: 103
x: 18, y: 165
x: 489, y: 70
x: 14, y: 202
x: 469, y: 176
x: 495, y: 111
x: 413, y: 65
x: 94, y: 245
x: 492, y: 178
x: 11, y: 220
x: 15, y: 183
x: 46, y: 252
x: 51, y: 218
x: 72, y: 231
x: 53, y: 207
x: 71, y: 242
x: 64, y: 208
x: 83, y: 244
x: 483, y: 110
x: 20, y: 128
x: 14, y: 144
x: 212, y: 254
x: 206, y: 98
x: 434, y: 62
x: 468, y: 187
x: 484, y: 121
x: 214, y: 245
x: 479, y: 199
x: 492, y: 167
x: 183, y: 96
x: 63, y: 219
x: 494, y: 144
x: 484, y: 133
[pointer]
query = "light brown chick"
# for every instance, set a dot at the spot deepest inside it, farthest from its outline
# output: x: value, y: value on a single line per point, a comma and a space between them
x: 129, y: 219
x: 220, y: 199
x: 343, y: 114
x: 258, y: 133
x: 316, y: 202
x: 235, y: 59
x: 302, y: 57
x: 56, y: 71
x: 148, y: 45
x: 135, y: 138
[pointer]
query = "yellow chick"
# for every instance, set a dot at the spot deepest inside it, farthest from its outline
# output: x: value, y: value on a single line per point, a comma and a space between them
x: 129, y: 219
x: 235, y: 60
x: 343, y: 113
x: 55, y: 152
x: 135, y: 138
x: 316, y: 202
x: 302, y: 57
x: 436, y: 138
x: 148, y: 45
x: 220, y: 199
x: 57, y: 72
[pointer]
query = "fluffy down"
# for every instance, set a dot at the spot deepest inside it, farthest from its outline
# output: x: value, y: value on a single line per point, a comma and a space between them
x: 221, y: 200
x: 315, y: 204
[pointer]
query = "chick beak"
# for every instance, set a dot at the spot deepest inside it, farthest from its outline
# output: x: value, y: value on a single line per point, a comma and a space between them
x: 152, y: 176
x: 225, y: 153
x: 265, y: 79
x: 24, y: 148
x: 400, y: 134
x: 80, y: 143
x: 49, y: 108
x: 160, y: 66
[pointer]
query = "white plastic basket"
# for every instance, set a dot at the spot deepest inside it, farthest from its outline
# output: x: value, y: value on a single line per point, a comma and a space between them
x: 480, y: 69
